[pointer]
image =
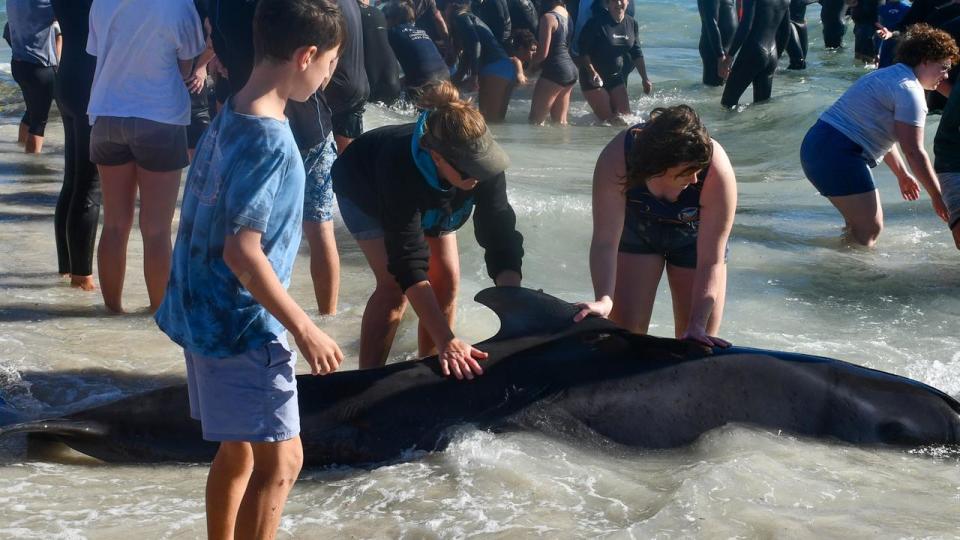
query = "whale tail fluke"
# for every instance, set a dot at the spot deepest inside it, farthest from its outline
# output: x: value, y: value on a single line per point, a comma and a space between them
x: 57, y: 426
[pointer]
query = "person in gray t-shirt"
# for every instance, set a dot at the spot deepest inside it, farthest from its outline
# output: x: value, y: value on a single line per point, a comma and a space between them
x: 33, y: 44
x: 863, y: 127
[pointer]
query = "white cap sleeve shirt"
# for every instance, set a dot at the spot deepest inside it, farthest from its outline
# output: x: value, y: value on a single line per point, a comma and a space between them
x: 867, y: 111
x: 138, y: 44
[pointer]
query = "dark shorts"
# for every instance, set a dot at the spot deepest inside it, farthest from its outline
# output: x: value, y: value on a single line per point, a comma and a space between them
x: 610, y: 81
x: 37, y: 84
x: 199, y: 117
x: 364, y: 225
x: 950, y: 185
x: 833, y: 163
x: 675, y: 242
x: 152, y: 145
x: 349, y: 123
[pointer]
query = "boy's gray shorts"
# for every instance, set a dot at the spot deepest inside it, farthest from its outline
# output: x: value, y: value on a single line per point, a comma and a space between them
x: 250, y: 397
x: 154, y: 146
x: 950, y: 186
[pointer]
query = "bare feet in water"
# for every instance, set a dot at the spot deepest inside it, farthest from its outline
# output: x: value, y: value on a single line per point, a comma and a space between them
x: 83, y: 282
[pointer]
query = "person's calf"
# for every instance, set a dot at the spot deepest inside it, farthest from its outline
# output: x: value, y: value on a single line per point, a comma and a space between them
x: 226, y: 485
x: 275, y: 470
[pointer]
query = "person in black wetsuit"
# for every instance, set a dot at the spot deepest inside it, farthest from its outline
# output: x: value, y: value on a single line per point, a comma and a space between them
x: 718, y: 23
x: 761, y: 35
x: 865, y: 16
x: 523, y: 15
x: 832, y: 13
x: 604, y: 41
x: 558, y: 73
x: 798, y: 41
x: 383, y: 70
x: 31, y: 34
x: 403, y: 191
x: 348, y: 91
x: 429, y: 18
x: 311, y: 122
x: 418, y: 55
x: 496, y: 15
x: 197, y: 85
x: 78, y: 207
x: 483, y: 61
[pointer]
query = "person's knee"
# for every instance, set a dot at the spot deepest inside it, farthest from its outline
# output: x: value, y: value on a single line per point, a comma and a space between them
x: 154, y: 230
x: 281, y: 462
x: 866, y: 234
x: 237, y: 456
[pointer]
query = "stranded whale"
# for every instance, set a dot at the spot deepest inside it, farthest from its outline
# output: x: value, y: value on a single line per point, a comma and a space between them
x: 590, y: 379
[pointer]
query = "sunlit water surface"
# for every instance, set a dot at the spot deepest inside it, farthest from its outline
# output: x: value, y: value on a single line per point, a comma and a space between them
x: 791, y: 287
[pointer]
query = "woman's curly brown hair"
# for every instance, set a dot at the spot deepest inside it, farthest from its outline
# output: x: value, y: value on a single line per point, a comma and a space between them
x: 672, y: 136
x: 924, y: 43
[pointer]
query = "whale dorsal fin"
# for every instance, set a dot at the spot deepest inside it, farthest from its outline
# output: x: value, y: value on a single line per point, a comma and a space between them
x: 525, y: 313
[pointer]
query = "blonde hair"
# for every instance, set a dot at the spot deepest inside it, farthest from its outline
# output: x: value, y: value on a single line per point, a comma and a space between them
x: 452, y: 120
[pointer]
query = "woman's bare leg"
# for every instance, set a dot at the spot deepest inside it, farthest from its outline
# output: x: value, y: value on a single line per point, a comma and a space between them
x: 158, y: 202
x: 863, y: 216
x: 599, y: 101
x: 638, y: 278
x: 444, y: 276
x: 118, y: 186
x: 493, y: 97
x: 561, y: 106
x: 681, y: 290
x: 619, y: 100
x: 381, y: 318
x: 324, y: 264
x: 544, y: 96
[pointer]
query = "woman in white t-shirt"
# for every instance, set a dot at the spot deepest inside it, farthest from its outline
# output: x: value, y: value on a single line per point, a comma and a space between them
x: 139, y: 109
x: 862, y: 128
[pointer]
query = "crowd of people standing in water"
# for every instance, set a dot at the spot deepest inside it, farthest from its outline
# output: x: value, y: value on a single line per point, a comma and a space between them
x: 264, y: 100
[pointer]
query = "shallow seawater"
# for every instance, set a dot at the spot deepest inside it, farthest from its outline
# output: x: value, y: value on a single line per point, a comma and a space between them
x: 791, y: 287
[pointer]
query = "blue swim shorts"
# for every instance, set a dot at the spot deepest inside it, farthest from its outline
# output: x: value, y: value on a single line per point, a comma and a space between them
x: 833, y: 163
x: 250, y: 397
x: 503, y: 68
x: 318, y: 190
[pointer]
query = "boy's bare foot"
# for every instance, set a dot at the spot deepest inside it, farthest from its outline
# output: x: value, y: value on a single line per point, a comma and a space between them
x: 85, y: 283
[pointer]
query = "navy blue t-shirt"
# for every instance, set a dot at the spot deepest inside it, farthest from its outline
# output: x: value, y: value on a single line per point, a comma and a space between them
x: 417, y: 54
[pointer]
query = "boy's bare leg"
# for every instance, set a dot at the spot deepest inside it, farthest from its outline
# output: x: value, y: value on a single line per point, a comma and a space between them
x: 275, y: 469
x: 23, y: 134
x: 324, y: 264
x: 226, y: 484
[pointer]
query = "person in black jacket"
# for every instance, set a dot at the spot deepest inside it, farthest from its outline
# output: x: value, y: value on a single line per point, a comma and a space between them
x: 403, y: 192
x: 383, y: 71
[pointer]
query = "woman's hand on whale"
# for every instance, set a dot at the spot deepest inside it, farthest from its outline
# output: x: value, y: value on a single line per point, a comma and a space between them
x: 700, y: 336
x: 599, y: 308
x: 461, y: 359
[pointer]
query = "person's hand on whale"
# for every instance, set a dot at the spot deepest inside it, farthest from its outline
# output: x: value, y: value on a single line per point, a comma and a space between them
x: 598, y: 308
x: 699, y: 335
x: 460, y: 359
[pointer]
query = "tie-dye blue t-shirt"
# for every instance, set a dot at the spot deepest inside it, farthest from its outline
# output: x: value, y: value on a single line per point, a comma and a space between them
x: 247, y: 173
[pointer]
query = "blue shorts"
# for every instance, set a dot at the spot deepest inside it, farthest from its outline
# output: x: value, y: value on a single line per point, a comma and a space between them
x: 364, y: 226
x: 833, y: 163
x: 250, y: 397
x: 503, y: 68
x: 318, y: 191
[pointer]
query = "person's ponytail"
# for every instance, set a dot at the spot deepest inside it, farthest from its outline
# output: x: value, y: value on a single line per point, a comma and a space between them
x: 452, y: 120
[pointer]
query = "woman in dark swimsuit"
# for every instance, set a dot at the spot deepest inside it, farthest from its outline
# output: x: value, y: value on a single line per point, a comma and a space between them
x: 551, y: 95
x: 664, y: 193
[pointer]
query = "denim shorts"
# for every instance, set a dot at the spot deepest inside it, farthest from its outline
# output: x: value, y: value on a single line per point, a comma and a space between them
x: 503, y: 68
x: 833, y: 163
x: 361, y: 224
x: 675, y: 242
x: 250, y: 397
x: 318, y: 190
x: 154, y: 146
x: 950, y: 185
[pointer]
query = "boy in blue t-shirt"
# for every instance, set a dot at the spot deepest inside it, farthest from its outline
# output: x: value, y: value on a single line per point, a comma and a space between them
x: 226, y: 302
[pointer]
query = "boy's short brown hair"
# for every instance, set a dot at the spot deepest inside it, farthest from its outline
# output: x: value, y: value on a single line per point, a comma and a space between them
x: 280, y: 27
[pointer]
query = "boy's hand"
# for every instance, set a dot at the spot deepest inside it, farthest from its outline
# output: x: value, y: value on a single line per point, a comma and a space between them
x: 321, y: 352
x: 461, y: 359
